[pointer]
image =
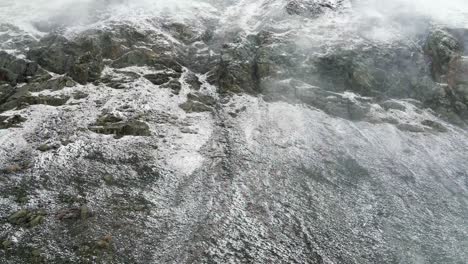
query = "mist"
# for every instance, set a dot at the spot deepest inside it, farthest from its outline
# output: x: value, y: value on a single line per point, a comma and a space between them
x: 373, y: 17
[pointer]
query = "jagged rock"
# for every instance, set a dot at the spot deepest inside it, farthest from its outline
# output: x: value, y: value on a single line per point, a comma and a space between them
x: 55, y: 54
x: 120, y: 80
x: 15, y: 39
x: 157, y: 79
x: 23, y: 98
x: 183, y: 32
x: 78, y: 95
x: 11, y: 121
x: 434, y: 125
x: 415, y: 128
x: 162, y: 78
x: 202, y: 98
x: 82, y: 59
x: 237, y: 69
x: 47, y: 147
x: 450, y: 68
x: 311, y: 7
x: 45, y: 100
x: 120, y: 40
x: 74, y: 213
x: 174, y: 85
x: 14, y: 70
x: 197, y: 102
x: 193, y: 81
x: 54, y: 84
x: 444, y: 50
x: 7, y: 76
x: 136, y: 58
x: 11, y: 97
x: 393, y: 105
x: 112, y: 125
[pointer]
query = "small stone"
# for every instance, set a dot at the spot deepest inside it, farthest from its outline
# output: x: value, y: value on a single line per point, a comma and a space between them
x: 104, y: 243
x: 36, y: 252
x: 11, y: 121
x: 14, y: 168
x: 37, y: 220
x: 23, y: 199
x: 435, y: 125
x: 79, y: 95
x: 43, y: 148
x: 410, y: 127
x: 107, y: 238
x: 108, y: 179
x: 7, y: 244
x: 84, y: 212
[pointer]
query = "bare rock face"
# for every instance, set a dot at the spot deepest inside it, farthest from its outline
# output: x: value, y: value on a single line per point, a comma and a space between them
x: 445, y: 50
x: 312, y: 7
x: 257, y: 131
x: 14, y: 70
x: 449, y: 68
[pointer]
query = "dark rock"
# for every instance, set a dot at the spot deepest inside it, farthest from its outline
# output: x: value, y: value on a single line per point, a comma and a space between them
x: 13, y: 38
x: 435, y: 125
x: 192, y: 106
x: 183, y: 32
x: 411, y: 127
x: 162, y: 78
x: 82, y: 59
x: 7, y: 76
x: 174, y: 85
x: 78, y: 95
x: 136, y: 58
x: 111, y: 125
x: 112, y: 47
x: 121, y: 80
x: 444, y: 51
x: 198, y: 103
x: 393, y: 105
x: 11, y: 121
x: 158, y: 78
x: 193, y: 81
x: 47, y: 147
x: 14, y: 70
x: 202, y: 98
x: 51, y: 84
x: 11, y: 98
x: 54, y: 53
x: 311, y: 8
x: 45, y: 100
x: 13, y: 168
x: 237, y: 70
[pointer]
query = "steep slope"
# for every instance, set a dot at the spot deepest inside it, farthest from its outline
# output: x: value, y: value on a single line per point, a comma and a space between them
x: 298, y: 131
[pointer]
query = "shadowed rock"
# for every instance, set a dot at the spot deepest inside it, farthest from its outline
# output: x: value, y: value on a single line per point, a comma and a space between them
x: 112, y: 125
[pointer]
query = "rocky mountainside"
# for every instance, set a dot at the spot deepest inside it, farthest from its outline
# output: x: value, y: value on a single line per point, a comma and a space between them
x: 236, y: 131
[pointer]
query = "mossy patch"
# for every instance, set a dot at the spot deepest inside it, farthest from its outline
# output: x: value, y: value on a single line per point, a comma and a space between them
x: 27, y: 218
